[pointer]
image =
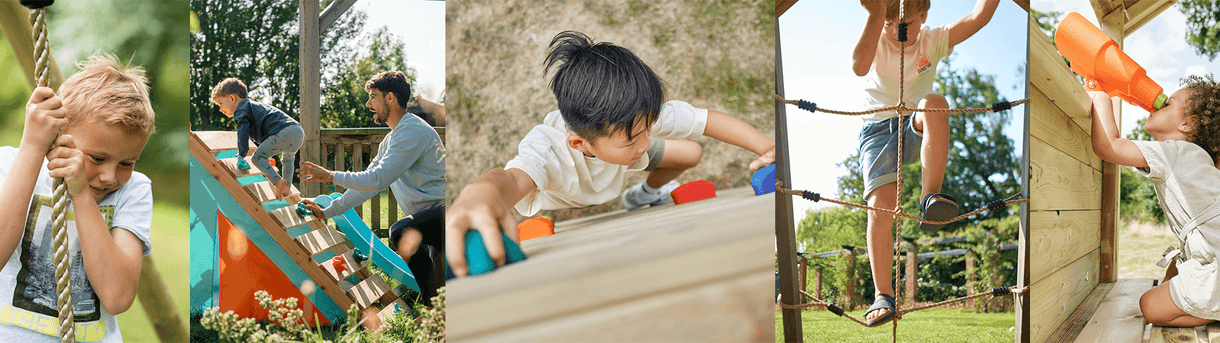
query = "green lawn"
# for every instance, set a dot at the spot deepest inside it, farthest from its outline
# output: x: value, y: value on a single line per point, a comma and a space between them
x: 931, y: 325
x: 171, y: 251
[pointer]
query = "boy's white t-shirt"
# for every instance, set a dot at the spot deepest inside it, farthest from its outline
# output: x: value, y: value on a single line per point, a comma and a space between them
x: 28, y: 310
x: 1186, y: 184
x: 922, y: 57
x: 566, y: 178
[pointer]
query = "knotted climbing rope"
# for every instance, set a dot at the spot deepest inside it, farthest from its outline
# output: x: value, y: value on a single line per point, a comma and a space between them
x: 59, y: 230
x: 900, y: 108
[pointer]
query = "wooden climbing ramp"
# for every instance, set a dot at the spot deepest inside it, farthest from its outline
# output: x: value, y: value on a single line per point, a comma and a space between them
x: 302, y: 247
x: 701, y: 271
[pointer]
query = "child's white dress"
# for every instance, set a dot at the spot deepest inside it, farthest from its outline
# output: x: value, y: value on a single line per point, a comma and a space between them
x: 1188, y: 187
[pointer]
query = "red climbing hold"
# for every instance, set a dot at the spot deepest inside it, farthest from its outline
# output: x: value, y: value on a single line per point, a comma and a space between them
x: 339, y: 263
x: 693, y: 191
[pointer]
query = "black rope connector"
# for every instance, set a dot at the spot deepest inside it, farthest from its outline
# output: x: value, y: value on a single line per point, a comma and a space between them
x: 1001, y: 106
x: 999, y: 291
x: 36, y: 4
x: 902, y: 32
x: 834, y: 309
x: 995, y: 205
x: 811, y: 196
x: 807, y: 105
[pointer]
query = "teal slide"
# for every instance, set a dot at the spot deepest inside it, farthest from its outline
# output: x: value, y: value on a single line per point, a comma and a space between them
x: 362, y: 237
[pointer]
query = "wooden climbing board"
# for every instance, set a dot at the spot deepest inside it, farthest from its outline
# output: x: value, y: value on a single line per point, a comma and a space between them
x: 369, y: 290
x: 701, y: 271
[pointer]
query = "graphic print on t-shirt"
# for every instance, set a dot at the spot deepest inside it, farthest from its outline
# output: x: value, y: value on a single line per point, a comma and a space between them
x: 34, y: 296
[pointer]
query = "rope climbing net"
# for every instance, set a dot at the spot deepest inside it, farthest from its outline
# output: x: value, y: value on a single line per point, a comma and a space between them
x: 900, y: 108
x: 59, y: 231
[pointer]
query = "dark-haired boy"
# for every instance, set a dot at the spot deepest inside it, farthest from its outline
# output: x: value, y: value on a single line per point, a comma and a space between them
x: 612, y: 119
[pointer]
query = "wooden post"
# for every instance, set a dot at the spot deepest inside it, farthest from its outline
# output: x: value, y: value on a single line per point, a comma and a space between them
x: 971, y: 278
x: 1112, y: 24
x: 785, y: 230
x: 311, y: 81
x: 802, y: 267
x: 158, y: 305
x: 850, y: 287
x: 912, y: 271
x: 817, y: 282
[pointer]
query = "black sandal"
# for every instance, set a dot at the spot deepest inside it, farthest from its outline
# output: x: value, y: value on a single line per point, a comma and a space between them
x: 937, y: 207
x: 883, y: 302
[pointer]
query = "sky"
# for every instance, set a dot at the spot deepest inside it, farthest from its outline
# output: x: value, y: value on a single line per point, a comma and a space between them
x: 1159, y: 46
x: 421, y: 25
x: 817, y: 39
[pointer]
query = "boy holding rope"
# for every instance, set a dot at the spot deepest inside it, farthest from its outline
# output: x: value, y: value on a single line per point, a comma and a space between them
x: 1182, y: 164
x: 103, y: 117
x: 612, y: 119
x: 889, y: 73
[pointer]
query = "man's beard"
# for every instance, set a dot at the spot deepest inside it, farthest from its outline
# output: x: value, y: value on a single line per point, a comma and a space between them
x: 379, y: 119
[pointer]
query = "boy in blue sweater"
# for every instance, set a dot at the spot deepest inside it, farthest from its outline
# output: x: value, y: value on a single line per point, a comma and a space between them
x: 273, y: 130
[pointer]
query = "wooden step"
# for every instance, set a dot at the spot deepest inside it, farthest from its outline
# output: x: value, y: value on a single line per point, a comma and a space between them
x: 390, y: 309
x: 369, y: 291
x: 1197, y: 334
x: 352, y: 267
x: 217, y: 141
x: 320, y: 240
x: 264, y: 191
x: 288, y: 218
x: 231, y: 165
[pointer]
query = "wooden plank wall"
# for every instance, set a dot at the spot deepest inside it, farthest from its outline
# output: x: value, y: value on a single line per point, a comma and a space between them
x: 1065, y: 185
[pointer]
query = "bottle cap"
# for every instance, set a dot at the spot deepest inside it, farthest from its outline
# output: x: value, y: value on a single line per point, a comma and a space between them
x: 1160, y: 101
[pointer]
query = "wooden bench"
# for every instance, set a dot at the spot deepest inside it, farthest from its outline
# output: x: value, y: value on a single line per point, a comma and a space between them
x: 1111, y: 313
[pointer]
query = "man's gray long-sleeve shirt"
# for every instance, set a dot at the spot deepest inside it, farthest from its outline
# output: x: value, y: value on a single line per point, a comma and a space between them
x: 410, y: 161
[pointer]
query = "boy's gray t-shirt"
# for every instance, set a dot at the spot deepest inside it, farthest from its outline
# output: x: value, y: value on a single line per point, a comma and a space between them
x: 1187, y: 183
x: 410, y: 161
x: 27, y: 283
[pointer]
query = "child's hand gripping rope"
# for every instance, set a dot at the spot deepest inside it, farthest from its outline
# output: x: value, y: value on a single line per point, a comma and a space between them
x: 44, y: 117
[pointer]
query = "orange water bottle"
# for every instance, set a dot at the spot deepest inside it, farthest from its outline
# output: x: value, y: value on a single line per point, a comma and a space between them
x: 1103, y: 66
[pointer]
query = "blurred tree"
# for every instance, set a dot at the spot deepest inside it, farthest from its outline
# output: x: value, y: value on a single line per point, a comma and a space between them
x: 156, y: 41
x: 343, y: 97
x: 1202, y: 26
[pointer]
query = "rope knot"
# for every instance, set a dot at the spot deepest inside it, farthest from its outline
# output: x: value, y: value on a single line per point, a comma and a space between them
x: 1000, y: 291
x: 807, y: 105
x: 1001, y: 106
x: 811, y: 196
x: 995, y: 205
x: 902, y: 32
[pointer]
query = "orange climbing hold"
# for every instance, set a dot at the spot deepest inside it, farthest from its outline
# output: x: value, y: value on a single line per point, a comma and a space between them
x: 693, y: 191
x: 535, y: 227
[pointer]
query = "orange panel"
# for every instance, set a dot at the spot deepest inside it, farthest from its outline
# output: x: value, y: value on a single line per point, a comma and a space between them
x: 244, y: 269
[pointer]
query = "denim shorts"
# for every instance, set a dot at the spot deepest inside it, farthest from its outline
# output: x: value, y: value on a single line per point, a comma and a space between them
x: 879, y: 150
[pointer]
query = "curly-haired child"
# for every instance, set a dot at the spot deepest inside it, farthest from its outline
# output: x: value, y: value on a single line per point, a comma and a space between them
x: 1181, y: 163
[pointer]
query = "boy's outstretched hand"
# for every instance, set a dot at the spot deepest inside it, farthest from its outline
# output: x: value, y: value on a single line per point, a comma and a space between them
x: 873, y: 6
x: 69, y: 163
x: 480, y: 206
x: 764, y: 160
x: 44, y: 116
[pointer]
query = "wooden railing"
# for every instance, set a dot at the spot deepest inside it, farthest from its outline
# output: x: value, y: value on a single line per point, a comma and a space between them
x: 350, y: 149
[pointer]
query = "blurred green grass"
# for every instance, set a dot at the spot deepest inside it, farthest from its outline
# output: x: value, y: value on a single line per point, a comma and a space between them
x: 170, y: 251
x: 931, y: 325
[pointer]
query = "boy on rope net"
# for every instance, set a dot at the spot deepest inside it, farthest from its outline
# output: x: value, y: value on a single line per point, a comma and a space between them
x: 612, y: 119
x: 91, y: 133
x: 1182, y: 164
x: 877, y: 58
x: 273, y: 130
